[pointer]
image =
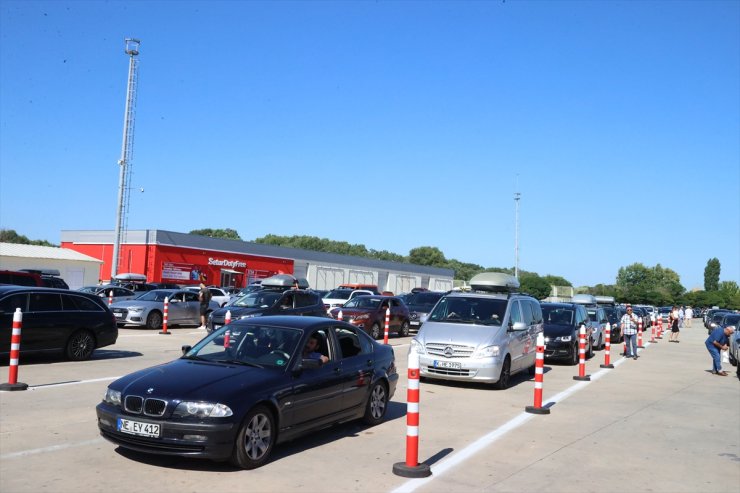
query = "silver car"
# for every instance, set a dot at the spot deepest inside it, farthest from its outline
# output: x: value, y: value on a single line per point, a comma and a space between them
x: 105, y: 291
x: 148, y: 309
x: 485, y: 335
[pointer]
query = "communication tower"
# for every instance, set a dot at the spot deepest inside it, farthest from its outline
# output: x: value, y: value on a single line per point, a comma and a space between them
x: 127, y: 151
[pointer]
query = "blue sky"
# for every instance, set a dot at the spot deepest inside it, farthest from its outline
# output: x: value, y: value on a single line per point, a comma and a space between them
x: 389, y: 124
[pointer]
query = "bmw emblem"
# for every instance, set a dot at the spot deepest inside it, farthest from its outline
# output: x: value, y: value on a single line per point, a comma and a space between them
x: 150, y: 390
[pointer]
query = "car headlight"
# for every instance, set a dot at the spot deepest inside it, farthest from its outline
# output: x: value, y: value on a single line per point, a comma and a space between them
x: 202, y: 410
x: 417, y: 346
x: 564, y: 338
x: 113, y: 397
x: 136, y: 309
x: 487, y: 352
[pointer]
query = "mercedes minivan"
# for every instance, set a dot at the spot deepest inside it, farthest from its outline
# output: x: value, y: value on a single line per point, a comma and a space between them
x: 484, y: 335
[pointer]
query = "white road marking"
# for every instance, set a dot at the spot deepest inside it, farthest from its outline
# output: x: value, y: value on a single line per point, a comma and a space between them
x: 53, y: 448
x: 76, y: 382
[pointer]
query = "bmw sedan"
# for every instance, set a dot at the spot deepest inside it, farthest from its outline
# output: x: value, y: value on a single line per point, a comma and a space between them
x: 248, y: 386
x: 148, y: 309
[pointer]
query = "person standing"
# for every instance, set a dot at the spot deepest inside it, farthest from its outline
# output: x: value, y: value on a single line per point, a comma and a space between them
x: 204, y: 296
x: 674, y: 317
x: 718, y: 341
x: 628, y: 323
x: 688, y: 315
x: 681, y: 314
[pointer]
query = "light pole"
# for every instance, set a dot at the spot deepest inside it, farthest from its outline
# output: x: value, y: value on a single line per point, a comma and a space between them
x: 517, y: 196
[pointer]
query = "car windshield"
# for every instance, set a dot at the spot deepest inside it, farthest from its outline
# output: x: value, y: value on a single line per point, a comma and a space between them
x: 731, y: 319
x: 557, y: 315
x: 363, y: 302
x: 341, y: 294
x: 155, y: 295
x: 248, y: 345
x: 592, y: 315
x: 478, y: 311
x: 258, y: 299
x: 423, y: 300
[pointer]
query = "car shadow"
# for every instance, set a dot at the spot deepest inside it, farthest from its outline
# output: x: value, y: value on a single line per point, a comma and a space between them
x: 352, y: 429
x: 57, y: 357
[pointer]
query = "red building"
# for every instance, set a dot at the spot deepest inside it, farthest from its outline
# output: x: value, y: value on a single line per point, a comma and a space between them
x: 166, y: 256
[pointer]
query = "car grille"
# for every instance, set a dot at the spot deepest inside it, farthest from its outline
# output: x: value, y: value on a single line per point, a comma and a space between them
x: 122, y: 311
x: 458, y: 350
x: 150, y: 407
x: 449, y: 371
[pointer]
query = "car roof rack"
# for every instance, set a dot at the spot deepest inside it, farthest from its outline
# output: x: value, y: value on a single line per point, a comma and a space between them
x: 284, y: 281
x: 494, y: 282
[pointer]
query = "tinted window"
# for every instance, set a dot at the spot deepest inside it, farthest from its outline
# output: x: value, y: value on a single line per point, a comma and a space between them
x: 305, y: 299
x: 10, y: 303
x: 515, y: 314
x: 459, y: 309
x: 45, y: 302
x: 81, y: 303
x: 527, y: 316
x: 349, y: 342
x: 536, y: 312
x: 191, y: 297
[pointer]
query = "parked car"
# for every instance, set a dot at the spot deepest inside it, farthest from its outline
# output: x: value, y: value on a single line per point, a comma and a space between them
x: 664, y: 312
x: 373, y: 288
x: 368, y: 313
x: 56, y: 320
x: 50, y: 277
x: 218, y: 295
x: 104, y: 291
x: 164, y: 285
x: 562, y: 324
x: 148, y: 309
x: 484, y: 335
x: 712, y: 317
x: 734, y: 351
x: 597, y: 320
x: 20, y: 278
x: 277, y: 296
x: 235, y: 401
x: 614, y: 315
x: 723, y: 319
x: 594, y: 325
x: 338, y: 297
x: 420, y: 304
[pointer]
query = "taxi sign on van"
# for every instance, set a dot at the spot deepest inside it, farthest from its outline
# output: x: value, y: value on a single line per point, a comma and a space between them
x: 494, y: 282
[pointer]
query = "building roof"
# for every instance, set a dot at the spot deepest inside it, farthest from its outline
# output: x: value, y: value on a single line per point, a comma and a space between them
x: 36, y: 251
x: 161, y: 237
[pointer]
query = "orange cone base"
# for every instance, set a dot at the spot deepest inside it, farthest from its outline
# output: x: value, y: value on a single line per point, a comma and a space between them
x: 165, y: 333
x: 640, y: 347
x: 419, y: 471
x: 537, y: 410
x: 587, y: 378
x: 5, y: 387
x: 607, y: 366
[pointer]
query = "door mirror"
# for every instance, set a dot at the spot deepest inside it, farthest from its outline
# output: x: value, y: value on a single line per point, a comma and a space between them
x: 519, y: 326
x: 185, y: 348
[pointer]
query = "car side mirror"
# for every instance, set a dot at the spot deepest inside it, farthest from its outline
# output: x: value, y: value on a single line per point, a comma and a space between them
x: 185, y: 348
x: 174, y: 300
x: 519, y: 326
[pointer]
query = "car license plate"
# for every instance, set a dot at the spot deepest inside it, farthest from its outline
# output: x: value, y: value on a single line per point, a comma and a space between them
x: 216, y: 327
x: 118, y: 315
x: 414, y: 323
x: 138, y: 428
x: 447, y: 364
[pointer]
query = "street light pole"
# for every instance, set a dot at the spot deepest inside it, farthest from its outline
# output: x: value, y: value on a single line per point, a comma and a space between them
x: 517, y: 196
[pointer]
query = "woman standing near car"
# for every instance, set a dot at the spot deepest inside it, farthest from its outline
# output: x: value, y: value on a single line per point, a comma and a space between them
x: 674, y: 317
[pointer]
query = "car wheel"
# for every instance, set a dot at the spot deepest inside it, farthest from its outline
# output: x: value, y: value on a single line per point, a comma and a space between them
x: 377, y: 404
x: 255, y: 439
x: 375, y: 331
x: 590, y: 349
x: 574, y: 356
x: 80, y: 346
x: 404, y: 330
x: 733, y: 359
x: 503, y: 378
x: 600, y: 346
x: 154, y: 320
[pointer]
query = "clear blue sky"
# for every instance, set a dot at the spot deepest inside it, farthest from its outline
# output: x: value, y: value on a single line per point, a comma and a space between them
x: 389, y: 124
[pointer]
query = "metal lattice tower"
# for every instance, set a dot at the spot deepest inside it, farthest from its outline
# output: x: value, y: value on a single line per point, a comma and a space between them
x: 127, y: 152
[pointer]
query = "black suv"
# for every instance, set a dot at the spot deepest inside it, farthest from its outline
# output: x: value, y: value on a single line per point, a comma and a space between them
x: 278, y: 296
x: 20, y: 278
x: 56, y: 320
x: 562, y: 324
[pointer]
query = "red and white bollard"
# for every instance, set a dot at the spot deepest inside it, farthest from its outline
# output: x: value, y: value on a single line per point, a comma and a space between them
x: 660, y: 326
x: 164, y: 317
x: 639, y: 335
x: 339, y: 315
x: 607, y: 347
x: 411, y: 468
x: 652, y: 333
x: 387, y: 324
x: 15, y: 350
x: 539, y: 372
x: 110, y: 298
x: 227, y: 339
x: 582, y: 355
x: 227, y: 318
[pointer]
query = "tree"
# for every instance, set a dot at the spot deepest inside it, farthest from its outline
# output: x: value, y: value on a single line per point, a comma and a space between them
x: 226, y: 234
x: 10, y: 236
x: 557, y: 280
x: 640, y: 284
x: 427, y: 255
x: 711, y: 275
x: 534, y: 285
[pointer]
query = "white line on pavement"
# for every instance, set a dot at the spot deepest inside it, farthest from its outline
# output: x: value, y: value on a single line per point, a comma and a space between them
x: 76, y: 382
x: 53, y: 448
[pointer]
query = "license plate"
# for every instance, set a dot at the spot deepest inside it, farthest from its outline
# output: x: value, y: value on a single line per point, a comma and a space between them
x: 138, y: 428
x: 118, y: 315
x: 216, y: 327
x: 456, y: 365
x: 414, y: 323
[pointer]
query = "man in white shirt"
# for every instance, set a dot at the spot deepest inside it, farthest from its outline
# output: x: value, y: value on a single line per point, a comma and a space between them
x: 688, y: 315
x: 628, y: 322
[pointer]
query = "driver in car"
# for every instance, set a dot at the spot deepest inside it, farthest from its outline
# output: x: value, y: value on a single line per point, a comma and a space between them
x: 310, y: 350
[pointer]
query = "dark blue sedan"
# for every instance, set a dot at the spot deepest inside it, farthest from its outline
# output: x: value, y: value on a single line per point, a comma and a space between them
x: 248, y: 386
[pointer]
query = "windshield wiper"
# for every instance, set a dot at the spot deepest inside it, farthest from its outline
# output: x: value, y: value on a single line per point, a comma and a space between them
x: 238, y: 362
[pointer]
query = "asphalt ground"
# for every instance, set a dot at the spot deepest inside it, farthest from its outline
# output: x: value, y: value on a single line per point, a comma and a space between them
x: 659, y: 423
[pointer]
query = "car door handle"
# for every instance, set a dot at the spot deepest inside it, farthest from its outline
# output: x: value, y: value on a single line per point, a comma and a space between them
x: 369, y: 362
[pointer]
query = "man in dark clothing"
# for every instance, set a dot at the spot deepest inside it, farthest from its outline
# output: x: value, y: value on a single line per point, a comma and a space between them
x: 204, y: 296
x: 718, y: 341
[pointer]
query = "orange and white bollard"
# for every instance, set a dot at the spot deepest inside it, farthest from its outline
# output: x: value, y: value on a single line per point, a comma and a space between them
x: 411, y: 468
x: 387, y: 324
x: 339, y: 315
x: 607, y: 347
x: 652, y: 333
x: 227, y: 317
x: 539, y: 372
x: 164, y: 317
x: 660, y: 326
x: 110, y: 297
x: 15, y: 350
x: 582, y: 355
x: 227, y: 339
x: 639, y: 335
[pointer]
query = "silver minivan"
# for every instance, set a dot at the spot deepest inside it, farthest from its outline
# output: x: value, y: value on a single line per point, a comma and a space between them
x: 485, y: 335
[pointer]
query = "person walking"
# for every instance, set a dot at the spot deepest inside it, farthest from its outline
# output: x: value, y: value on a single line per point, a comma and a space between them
x: 718, y: 341
x: 681, y: 314
x: 674, y: 318
x: 688, y: 315
x: 628, y: 323
x: 204, y: 296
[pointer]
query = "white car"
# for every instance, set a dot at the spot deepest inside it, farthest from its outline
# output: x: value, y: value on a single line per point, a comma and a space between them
x: 217, y: 294
x: 338, y: 297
